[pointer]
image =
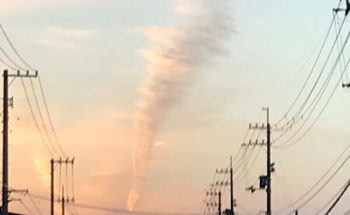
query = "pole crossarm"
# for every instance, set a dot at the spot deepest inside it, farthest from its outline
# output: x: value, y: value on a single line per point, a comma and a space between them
x: 27, y: 74
x: 256, y: 143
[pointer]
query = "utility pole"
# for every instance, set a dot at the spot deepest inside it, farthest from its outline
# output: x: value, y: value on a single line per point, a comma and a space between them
x: 268, y: 189
x: 219, y: 205
x: 5, y: 147
x: 265, y: 180
x: 231, y: 186
x: 52, y: 164
x: 63, y: 200
x: 52, y: 200
x: 5, y: 173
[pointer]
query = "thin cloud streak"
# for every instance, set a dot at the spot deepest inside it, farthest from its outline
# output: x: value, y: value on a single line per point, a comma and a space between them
x: 179, y: 53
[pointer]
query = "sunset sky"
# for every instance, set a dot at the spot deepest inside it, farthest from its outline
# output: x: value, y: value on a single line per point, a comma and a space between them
x: 91, y: 58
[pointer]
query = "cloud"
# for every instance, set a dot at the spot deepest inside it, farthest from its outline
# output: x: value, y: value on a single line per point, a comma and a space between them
x: 42, y: 169
x: 16, y: 6
x: 70, y: 38
x: 71, y: 32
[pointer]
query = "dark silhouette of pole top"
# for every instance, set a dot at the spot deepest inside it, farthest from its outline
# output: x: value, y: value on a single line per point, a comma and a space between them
x: 347, y: 9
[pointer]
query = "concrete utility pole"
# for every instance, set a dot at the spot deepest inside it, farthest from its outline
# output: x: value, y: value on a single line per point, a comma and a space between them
x: 231, y: 186
x: 52, y: 200
x: 52, y: 164
x: 265, y: 180
x: 5, y: 147
x: 219, y: 205
x: 63, y: 210
x: 268, y: 188
x: 5, y: 178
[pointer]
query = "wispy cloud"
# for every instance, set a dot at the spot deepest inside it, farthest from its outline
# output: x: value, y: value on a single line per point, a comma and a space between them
x: 59, y: 37
x: 17, y: 6
x: 71, y: 32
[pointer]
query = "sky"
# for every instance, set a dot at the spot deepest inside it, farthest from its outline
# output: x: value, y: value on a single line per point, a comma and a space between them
x: 90, y: 60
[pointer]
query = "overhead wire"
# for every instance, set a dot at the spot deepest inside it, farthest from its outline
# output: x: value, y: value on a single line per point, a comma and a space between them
x: 41, y: 117
x: 49, y: 117
x: 322, y: 186
x: 323, y: 108
x: 317, y: 99
x: 299, y: 114
x: 114, y: 210
x: 24, y: 62
x: 26, y: 207
x: 34, y: 119
x: 323, y: 176
x: 310, y: 73
x: 331, y: 199
x: 15, y: 50
x: 338, y: 199
x: 34, y: 204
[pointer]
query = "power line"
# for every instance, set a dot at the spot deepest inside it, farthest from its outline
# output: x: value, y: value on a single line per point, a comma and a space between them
x: 34, y: 204
x: 41, y: 117
x: 34, y: 118
x: 331, y: 200
x: 319, y: 95
x: 322, y: 177
x: 323, y: 185
x: 115, y: 210
x: 338, y: 199
x: 15, y: 50
x: 310, y: 72
x: 49, y: 117
x: 298, y: 113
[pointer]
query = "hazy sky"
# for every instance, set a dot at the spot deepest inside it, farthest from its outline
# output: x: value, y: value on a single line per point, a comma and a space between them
x: 88, y: 55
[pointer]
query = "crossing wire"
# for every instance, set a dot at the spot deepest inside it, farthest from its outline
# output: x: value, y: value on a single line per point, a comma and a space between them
x: 41, y: 116
x: 26, y: 207
x: 318, y: 97
x: 34, y: 204
x: 40, y: 84
x: 310, y: 72
x: 331, y: 200
x: 49, y: 117
x: 15, y: 50
x: 325, y: 105
x: 323, y: 185
x: 338, y: 199
x: 300, y: 110
x: 322, y: 177
x: 35, y: 120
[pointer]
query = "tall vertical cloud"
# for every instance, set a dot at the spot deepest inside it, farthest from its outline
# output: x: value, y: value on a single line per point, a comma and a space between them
x: 178, y: 54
